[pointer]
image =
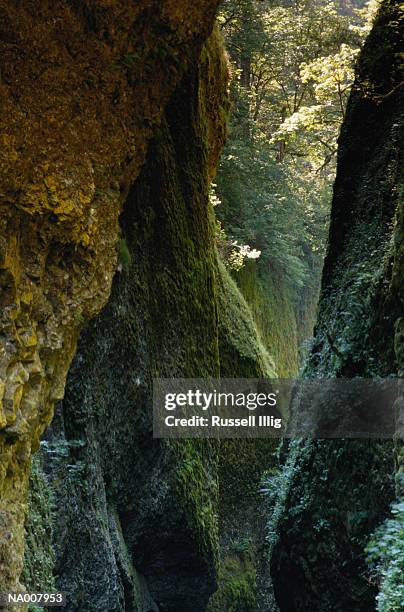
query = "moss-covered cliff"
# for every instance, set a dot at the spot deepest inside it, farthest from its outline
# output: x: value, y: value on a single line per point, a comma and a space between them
x: 334, y: 493
x: 241, y: 516
x: 272, y: 305
x: 138, y: 519
x: 83, y: 87
x: 161, y: 320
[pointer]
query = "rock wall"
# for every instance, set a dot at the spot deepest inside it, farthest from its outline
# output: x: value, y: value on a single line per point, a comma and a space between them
x: 139, y: 519
x: 161, y: 320
x: 83, y: 87
x: 284, y: 317
x: 271, y: 303
x: 334, y: 493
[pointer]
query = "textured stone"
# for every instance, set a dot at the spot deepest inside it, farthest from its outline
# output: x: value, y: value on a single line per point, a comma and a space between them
x: 83, y: 86
x: 142, y: 511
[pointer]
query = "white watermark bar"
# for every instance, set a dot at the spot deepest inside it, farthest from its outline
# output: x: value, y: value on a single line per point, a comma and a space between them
x: 291, y: 408
x: 39, y: 600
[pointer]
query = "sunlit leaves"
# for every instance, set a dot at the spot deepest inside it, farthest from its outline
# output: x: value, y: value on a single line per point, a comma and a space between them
x: 293, y: 66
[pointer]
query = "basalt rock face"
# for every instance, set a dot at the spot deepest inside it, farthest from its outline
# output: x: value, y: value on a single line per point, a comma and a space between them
x: 139, y: 528
x: 334, y: 493
x: 139, y: 519
x: 138, y: 502
x: 83, y: 88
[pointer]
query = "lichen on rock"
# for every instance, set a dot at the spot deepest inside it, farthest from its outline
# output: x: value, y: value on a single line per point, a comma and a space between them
x: 79, y: 108
x: 161, y: 320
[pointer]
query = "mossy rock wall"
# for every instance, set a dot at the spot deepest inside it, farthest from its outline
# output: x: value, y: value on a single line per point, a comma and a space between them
x: 271, y: 302
x: 284, y: 316
x: 137, y: 520
x: 161, y: 320
x: 243, y: 353
x: 241, y: 462
x: 84, y: 86
x: 334, y: 493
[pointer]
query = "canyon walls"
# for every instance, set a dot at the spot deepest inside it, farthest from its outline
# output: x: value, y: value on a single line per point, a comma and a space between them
x: 334, y: 493
x: 114, y: 115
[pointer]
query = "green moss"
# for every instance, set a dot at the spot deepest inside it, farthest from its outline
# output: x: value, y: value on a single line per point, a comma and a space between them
x: 237, y: 586
x: 197, y: 487
x: 242, y: 352
x: 386, y: 558
x: 273, y: 310
x: 324, y: 509
x: 125, y: 257
x: 39, y: 557
x: 242, y: 465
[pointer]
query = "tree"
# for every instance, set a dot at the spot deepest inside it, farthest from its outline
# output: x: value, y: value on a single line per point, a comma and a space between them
x: 293, y: 66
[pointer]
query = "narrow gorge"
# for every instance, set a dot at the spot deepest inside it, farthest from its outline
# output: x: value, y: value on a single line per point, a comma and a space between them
x: 117, y: 250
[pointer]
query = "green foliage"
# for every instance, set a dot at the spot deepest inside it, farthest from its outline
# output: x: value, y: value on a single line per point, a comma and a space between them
x: 292, y: 65
x: 386, y: 558
x: 312, y: 130
x: 274, y: 208
x: 293, y: 56
x: 276, y: 485
x: 327, y: 488
x: 241, y: 546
